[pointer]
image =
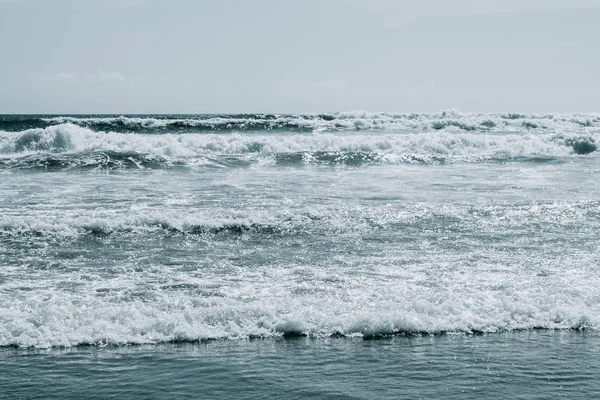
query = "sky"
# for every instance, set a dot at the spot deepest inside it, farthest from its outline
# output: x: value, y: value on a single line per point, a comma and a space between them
x: 288, y: 56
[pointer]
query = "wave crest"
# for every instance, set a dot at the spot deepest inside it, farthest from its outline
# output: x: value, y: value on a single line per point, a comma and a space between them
x: 71, y: 146
x: 177, y: 312
x: 343, y: 121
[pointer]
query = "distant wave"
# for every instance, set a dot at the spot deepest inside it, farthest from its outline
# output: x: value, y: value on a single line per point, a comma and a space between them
x: 67, y: 145
x: 346, y: 121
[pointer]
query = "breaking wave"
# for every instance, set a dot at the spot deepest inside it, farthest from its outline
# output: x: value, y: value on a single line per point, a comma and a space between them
x: 313, y: 220
x: 345, y: 121
x: 66, y: 321
x: 274, y: 303
x: 68, y: 145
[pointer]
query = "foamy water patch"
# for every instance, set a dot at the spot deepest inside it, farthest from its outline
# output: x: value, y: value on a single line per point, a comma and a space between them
x: 277, y: 302
x: 180, y: 218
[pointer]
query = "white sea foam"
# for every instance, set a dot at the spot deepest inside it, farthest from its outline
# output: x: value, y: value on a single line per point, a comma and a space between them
x: 446, y: 146
x: 92, y: 258
x: 355, y: 120
x: 408, y: 286
x: 172, y: 218
x: 275, y: 301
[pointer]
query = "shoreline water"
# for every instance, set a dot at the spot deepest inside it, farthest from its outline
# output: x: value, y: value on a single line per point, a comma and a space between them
x: 532, y: 364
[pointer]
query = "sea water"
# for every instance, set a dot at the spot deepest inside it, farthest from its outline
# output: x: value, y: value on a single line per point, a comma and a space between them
x: 348, y: 255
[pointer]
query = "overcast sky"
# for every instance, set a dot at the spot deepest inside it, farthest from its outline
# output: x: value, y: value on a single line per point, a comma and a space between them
x: 152, y: 56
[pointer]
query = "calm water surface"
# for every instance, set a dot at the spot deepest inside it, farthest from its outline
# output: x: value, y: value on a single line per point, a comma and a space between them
x: 528, y: 365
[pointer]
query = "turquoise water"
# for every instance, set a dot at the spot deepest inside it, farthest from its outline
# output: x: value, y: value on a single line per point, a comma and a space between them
x: 357, y: 255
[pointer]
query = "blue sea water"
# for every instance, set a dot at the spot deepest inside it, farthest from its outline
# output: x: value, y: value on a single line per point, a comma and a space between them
x: 349, y: 255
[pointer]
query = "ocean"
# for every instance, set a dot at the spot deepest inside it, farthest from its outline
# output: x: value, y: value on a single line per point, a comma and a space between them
x: 347, y: 255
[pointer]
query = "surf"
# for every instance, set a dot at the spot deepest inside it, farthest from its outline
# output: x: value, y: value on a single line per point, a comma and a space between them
x: 70, y: 146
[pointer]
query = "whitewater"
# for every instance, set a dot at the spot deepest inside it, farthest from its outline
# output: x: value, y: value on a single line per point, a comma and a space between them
x: 118, y: 230
x: 443, y: 254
